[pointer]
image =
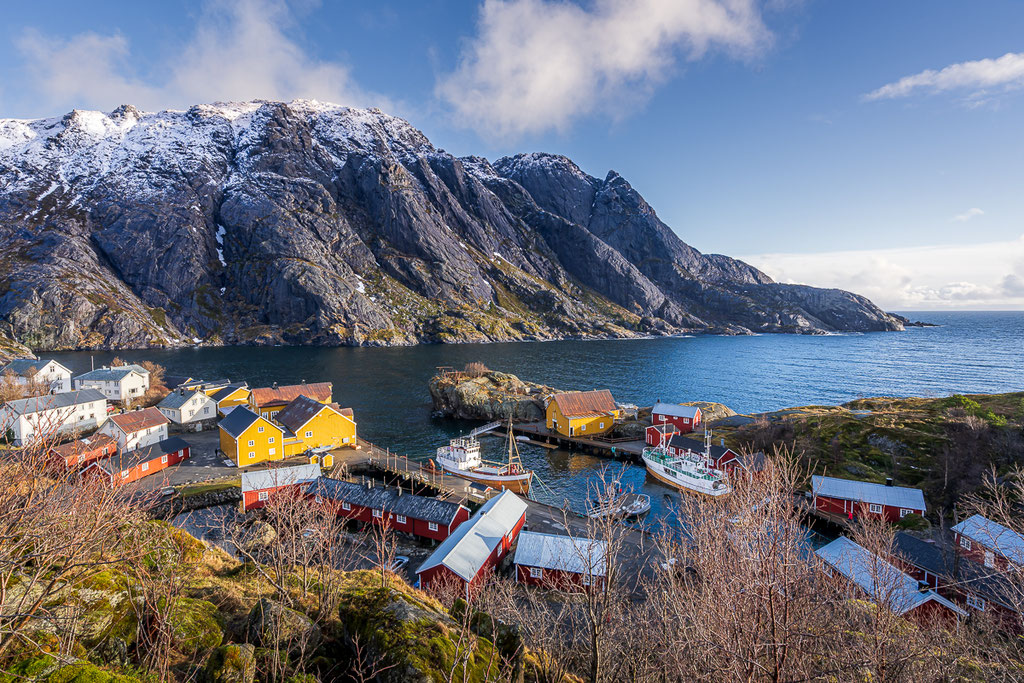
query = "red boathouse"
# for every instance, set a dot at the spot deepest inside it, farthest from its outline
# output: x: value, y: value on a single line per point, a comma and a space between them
x: 468, y: 555
x: 124, y: 468
x: 84, y: 451
x: 376, y: 504
x: 560, y: 562
x: 683, y: 418
x: 853, y: 499
x: 258, y: 487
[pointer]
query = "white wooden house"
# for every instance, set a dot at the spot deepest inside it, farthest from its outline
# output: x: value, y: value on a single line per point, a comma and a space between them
x: 121, y: 383
x: 28, y: 419
x: 136, y: 429
x: 44, y: 373
x: 184, y: 406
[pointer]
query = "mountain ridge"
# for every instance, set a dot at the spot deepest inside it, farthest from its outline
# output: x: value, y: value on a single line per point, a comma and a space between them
x: 309, y: 223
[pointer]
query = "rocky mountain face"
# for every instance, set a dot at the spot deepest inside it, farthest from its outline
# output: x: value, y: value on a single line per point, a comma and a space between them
x: 306, y: 223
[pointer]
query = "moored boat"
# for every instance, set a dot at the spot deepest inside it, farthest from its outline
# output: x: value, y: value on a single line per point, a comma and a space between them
x: 687, y: 471
x: 462, y: 458
x: 623, y: 507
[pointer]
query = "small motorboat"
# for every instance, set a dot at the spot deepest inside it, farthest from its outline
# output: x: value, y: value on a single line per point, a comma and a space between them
x: 624, y: 506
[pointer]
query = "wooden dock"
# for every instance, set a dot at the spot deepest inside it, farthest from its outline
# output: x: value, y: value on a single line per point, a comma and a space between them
x: 413, y: 474
x: 619, y: 449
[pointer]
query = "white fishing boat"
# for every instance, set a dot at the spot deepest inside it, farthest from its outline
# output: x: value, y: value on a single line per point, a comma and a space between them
x: 687, y: 471
x: 623, y: 507
x: 462, y: 458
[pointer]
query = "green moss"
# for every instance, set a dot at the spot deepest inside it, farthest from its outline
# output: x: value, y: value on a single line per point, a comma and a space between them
x: 196, y: 625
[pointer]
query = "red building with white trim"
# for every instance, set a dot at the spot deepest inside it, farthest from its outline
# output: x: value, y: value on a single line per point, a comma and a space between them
x: 260, y: 486
x: 854, y: 499
x: 989, y: 543
x: 83, y: 451
x: 467, y: 556
x: 372, y: 503
x: 683, y: 418
x: 660, y: 434
x: 560, y: 562
x: 125, y: 468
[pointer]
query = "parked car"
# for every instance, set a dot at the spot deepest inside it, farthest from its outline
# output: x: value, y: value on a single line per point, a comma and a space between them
x: 399, y: 562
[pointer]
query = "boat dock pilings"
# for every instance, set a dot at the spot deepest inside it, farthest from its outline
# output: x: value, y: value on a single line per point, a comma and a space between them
x: 425, y: 480
x: 618, y: 449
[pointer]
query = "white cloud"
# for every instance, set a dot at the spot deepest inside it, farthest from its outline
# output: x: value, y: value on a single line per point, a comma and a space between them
x: 537, y: 65
x: 967, y: 215
x: 986, y: 275
x: 240, y: 50
x: 973, y: 77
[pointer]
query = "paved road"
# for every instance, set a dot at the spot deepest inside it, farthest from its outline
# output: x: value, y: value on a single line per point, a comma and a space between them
x: 202, y: 465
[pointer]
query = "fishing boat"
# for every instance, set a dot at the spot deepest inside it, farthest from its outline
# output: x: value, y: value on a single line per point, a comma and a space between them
x: 624, y: 506
x: 462, y: 458
x: 688, y: 471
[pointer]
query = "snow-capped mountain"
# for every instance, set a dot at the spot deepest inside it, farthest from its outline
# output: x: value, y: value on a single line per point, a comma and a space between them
x: 309, y: 223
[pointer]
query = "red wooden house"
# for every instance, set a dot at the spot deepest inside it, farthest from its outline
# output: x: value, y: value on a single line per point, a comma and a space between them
x: 560, y: 562
x: 969, y: 584
x: 260, y: 486
x: 84, y: 451
x: 853, y: 499
x: 722, y: 457
x: 375, y: 504
x: 660, y: 434
x: 468, y: 555
x: 683, y: 418
x: 124, y: 468
x: 883, y: 582
x: 989, y: 543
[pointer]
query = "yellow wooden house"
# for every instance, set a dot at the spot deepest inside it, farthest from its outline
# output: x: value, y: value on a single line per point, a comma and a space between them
x: 248, y: 438
x: 309, y: 425
x: 230, y: 396
x: 582, y: 413
x: 268, y: 401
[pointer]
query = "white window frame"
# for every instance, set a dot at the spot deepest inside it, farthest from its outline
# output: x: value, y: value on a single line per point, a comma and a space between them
x: 875, y: 508
x: 252, y: 443
x: 319, y: 499
x: 270, y: 439
x: 904, y: 512
x: 271, y: 451
x: 145, y: 467
x: 377, y: 513
x: 432, y: 526
x: 401, y: 519
x: 965, y: 543
x: 163, y: 459
x: 976, y: 602
x: 263, y: 495
x: 346, y: 506
x: 536, y: 573
x: 260, y: 429
x: 252, y: 454
x: 309, y: 434
x: 124, y: 474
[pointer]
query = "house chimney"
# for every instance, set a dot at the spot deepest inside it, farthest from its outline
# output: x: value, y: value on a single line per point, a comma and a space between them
x: 888, y: 481
x: 399, y: 491
x: 275, y: 385
x: 723, y: 442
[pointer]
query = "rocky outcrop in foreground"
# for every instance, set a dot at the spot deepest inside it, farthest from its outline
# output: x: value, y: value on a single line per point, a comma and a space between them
x: 307, y: 223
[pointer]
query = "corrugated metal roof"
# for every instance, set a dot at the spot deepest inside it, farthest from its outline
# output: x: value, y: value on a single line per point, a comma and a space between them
x: 238, y: 420
x: 585, y: 403
x: 299, y: 411
x: 874, y: 574
x: 84, y: 445
x: 562, y: 553
x: 386, y: 498
x: 38, y: 404
x: 999, y: 538
x: 867, y: 492
x: 279, y: 476
x: 114, y: 374
x: 265, y: 396
x: 466, y: 550
x: 27, y: 367
x: 137, y: 420
x: 990, y: 584
x: 675, y: 410
x: 176, y: 399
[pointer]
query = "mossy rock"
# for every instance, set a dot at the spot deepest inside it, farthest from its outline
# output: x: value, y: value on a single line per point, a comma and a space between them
x: 419, y: 641
x: 231, y: 664
x: 196, y: 625
x: 46, y: 668
x: 275, y: 626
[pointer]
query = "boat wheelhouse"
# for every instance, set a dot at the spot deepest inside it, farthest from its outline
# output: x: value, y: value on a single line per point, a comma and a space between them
x: 687, y: 471
x: 462, y: 458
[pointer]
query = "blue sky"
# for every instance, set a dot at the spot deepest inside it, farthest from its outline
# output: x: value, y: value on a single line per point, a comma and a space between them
x: 871, y: 145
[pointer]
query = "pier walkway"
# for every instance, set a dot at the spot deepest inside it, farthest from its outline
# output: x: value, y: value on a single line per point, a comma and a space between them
x: 621, y: 449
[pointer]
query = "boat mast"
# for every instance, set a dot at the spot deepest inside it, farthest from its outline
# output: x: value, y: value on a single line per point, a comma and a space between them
x: 707, y: 445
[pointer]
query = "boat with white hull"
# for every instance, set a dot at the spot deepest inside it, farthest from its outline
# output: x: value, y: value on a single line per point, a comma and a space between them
x: 462, y: 458
x: 687, y: 471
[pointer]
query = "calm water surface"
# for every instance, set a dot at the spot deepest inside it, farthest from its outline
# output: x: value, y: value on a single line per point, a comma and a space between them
x: 977, y: 352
